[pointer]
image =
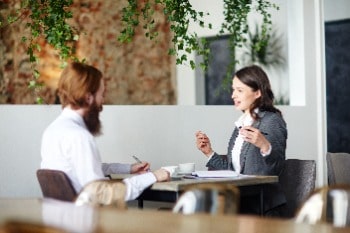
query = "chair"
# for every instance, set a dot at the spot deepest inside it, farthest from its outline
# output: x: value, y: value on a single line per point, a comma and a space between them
x: 330, y: 204
x: 103, y: 193
x: 338, y: 168
x: 297, y: 181
x: 56, y: 184
x: 208, y: 198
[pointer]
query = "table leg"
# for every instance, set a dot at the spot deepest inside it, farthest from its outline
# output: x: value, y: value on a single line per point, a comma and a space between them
x: 140, y: 203
x: 262, y: 200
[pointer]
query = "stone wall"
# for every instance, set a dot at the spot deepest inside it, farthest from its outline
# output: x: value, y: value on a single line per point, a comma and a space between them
x: 139, y: 72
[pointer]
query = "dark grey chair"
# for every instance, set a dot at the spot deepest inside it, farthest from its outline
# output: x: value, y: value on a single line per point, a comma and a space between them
x: 56, y: 184
x: 297, y: 181
x: 338, y: 165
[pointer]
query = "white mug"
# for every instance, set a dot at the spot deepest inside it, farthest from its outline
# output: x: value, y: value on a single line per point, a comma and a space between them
x: 186, y: 168
x: 171, y: 169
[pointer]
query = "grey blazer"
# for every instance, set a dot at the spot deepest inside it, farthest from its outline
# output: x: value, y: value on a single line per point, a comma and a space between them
x: 252, y: 162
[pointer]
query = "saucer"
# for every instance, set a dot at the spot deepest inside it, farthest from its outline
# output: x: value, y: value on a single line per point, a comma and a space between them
x: 173, y: 178
x: 184, y: 173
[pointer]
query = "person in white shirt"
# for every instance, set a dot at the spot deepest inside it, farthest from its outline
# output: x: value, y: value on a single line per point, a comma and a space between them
x: 68, y: 143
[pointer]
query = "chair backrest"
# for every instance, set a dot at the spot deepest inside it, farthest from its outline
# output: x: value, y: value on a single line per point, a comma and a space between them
x: 338, y: 168
x: 56, y: 184
x: 329, y: 204
x: 297, y: 181
x: 103, y: 193
x: 208, y: 198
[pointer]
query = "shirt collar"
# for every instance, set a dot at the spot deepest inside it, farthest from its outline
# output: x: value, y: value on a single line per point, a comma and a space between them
x: 76, y: 117
x: 245, y: 119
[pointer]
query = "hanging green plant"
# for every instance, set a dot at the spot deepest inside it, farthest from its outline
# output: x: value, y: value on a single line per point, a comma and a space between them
x: 45, y: 19
x: 48, y: 19
x: 179, y: 14
x: 237, y: 27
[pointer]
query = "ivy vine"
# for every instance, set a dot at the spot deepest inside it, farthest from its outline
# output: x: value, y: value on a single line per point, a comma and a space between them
x: 179, y: 14
x: 48, y: 19
x: 236, y: 25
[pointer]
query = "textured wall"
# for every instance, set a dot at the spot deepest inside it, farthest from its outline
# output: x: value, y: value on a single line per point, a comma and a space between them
x: 140, y: 72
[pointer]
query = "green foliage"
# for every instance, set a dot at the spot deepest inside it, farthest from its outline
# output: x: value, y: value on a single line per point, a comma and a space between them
x: 48, y: 20
x: 179, y: 14
x: 236, y: 25
x: 282, y: 100
x: 264, y: 50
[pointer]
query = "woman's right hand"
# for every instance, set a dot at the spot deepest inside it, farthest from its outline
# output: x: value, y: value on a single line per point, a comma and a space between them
x: 203, y: 143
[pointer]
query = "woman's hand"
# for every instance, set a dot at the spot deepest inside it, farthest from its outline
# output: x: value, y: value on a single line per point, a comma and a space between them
x: 255, y: 137
x: 203, y: 143
x: 140, y: 168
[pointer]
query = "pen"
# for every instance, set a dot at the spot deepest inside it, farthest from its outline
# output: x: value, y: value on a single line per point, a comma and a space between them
x: 137, y: 159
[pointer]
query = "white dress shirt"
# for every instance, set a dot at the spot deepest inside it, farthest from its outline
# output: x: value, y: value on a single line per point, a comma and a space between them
x: 244, y: 120
x: 67, y: 145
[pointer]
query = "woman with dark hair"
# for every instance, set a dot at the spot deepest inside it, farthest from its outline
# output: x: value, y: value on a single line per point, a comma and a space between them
x: 258, y: 142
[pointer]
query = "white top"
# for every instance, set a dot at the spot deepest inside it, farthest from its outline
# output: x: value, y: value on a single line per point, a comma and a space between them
x: 67, y: 145
x: 244, y: 120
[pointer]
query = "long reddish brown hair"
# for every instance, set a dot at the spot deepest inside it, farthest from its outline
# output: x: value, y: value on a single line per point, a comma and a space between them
x: 76, y: 81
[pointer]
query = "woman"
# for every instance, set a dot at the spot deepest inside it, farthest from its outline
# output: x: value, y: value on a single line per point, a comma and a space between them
x: 258, y: 142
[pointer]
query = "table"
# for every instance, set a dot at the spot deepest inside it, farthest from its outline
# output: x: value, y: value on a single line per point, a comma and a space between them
x: 170, y: 191
x: 70, y: 218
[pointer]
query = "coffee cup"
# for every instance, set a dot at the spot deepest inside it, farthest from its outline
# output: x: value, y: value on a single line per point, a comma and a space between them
x: 186, y: 168
x: 171, y: 169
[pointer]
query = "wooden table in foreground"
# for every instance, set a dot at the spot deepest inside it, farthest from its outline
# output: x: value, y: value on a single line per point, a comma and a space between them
x: 170, y: 191
x: 67, y: 217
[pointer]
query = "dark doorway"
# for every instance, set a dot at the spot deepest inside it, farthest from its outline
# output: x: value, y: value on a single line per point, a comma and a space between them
x: 337, y: 45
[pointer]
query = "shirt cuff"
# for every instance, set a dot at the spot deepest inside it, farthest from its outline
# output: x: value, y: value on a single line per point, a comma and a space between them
x: 268, y: 151
x: 135, y: 185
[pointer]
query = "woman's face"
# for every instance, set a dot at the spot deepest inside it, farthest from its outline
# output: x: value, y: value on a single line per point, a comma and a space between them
x: 243, y: 96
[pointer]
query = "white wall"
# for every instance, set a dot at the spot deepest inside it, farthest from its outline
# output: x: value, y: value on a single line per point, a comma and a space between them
x: 162, y: 135
x: 336, y: 9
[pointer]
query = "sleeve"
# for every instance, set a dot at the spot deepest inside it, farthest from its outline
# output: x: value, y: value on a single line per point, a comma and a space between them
x: 116, y: 168
x: 137, y: 184
x: 217, y: 162
x: 277, y: 136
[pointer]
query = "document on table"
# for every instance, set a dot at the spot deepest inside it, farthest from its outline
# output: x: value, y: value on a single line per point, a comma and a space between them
x: 214, y: 174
